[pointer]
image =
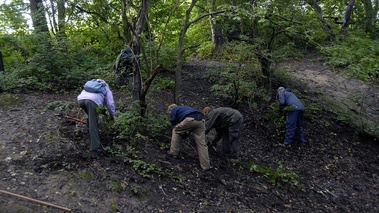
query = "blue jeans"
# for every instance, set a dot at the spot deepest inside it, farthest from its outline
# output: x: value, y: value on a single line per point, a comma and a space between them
x: 294, y: 127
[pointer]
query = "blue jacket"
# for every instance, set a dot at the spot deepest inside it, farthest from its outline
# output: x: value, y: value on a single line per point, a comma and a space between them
x: 287, y: 98
x: 179, y: 113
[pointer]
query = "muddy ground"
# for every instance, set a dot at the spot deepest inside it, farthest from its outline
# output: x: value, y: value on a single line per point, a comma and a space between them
x: 44, y: 156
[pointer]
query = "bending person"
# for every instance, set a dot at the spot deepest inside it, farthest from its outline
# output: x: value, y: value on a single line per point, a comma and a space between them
x: 228, y: 123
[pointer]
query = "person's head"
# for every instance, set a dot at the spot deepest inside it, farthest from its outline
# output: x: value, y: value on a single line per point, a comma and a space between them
x: 206, y: 110
x: 280, y: 89
x: 170, y: 108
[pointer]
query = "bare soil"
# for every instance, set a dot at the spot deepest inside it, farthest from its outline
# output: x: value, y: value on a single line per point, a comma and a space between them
x: 44, y: 156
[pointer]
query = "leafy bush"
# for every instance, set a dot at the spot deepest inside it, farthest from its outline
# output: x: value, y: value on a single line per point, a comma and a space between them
x: 275, y: 175
x: 236, y: 83
x: 360, y: 57
x: 205, y: 50
x: 133, y: 127
x: 40, y: 63
x: 164, y: 83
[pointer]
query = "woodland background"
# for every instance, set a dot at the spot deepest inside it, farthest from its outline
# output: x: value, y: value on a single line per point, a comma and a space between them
x: 192, y: 52
x: 56, y: 45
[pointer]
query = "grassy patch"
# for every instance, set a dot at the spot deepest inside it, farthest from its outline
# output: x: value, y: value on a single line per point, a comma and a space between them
x: 8, y: 100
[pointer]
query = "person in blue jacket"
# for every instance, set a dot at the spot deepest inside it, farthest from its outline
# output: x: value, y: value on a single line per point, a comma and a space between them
x: 185, y: 120
x: 294, y: 120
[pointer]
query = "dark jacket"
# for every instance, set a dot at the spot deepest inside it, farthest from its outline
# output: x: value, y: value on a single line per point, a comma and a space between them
x: 287, y: 98
x: 220, y: 118
x: 179, y: 113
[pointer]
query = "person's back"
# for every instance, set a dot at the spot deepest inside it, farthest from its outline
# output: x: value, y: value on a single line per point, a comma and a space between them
x: 221, y: 117
x: 179, y: 113
x: 287, y: 98
x: 228, y: 123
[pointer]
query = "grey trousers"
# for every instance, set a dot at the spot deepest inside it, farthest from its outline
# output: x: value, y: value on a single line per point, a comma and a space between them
x: 231, y: 139
x: 93, y: 122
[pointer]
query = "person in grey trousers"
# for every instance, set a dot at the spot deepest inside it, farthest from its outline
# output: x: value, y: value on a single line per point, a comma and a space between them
x: 89, y: 101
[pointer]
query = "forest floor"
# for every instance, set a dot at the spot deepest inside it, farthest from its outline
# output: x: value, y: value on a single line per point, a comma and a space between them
x: 44, y: 156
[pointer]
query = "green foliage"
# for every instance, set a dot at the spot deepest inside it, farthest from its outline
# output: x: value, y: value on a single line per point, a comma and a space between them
x: 129, y: 155
x: 58, y: 105
x: 57, y: 69
x: 143, y: 168
x: 205, y: 50
x: 237, y: 80
x: 114, y: 207
x: 287, y: 51
x: 133, y: 127
x: 360, y: 57
x: 275, y: 175
x: 164, y: 83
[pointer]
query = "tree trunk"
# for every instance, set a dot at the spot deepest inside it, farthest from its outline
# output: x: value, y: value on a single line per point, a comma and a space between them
x: 370, y: 16
x: 38, y: 16
x: 61, y: 18
x: 145, y: 88
x: 136, y: 47
x: 217, y: 37
x: 1, y: 62
x: 346, y: 22
x: 125, y: 25
x: 179, y: 59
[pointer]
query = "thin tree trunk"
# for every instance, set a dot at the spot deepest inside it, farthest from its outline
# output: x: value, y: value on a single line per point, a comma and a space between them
x: 61, y: 18
x: 217, y: 36
x: 125, y: 25
x: 1, y: 62
x: 347, y: 19
x: 179, y: 59
x: 136, y: 47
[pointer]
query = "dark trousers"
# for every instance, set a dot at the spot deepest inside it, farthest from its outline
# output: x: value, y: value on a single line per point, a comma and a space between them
x: 93, y: 122
x: 231, y: 139
x: 294, y: 127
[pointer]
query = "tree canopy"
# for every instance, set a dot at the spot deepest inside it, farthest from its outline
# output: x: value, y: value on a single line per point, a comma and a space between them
x: 54, y: 45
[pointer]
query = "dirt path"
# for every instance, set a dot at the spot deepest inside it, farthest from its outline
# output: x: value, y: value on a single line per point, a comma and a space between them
x: 338, y: 93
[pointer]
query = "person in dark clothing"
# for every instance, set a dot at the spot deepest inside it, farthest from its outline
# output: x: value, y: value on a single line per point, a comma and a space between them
x: 294, y: 120
x: 185, y: 120
x: 89, y: 101
x: 228, y: 123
